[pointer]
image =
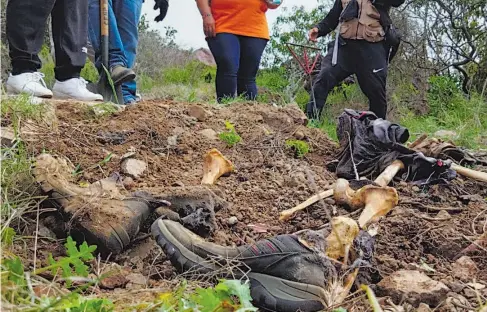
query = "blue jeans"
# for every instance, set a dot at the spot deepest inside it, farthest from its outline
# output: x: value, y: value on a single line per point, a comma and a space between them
x: 237, y: 59
x: 123, y: 16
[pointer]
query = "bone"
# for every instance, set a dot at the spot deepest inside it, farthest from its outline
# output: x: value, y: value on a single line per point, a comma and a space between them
x: 338, y: 243
x: 376, y: 201
x: 469, y: 173
x: 215, y: 165
x: 383, y: 179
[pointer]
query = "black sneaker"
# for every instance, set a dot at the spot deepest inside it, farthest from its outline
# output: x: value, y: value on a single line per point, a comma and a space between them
x: 284, y: 275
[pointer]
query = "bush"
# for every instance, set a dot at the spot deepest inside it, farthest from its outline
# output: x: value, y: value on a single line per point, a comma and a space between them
x: 300, y: 148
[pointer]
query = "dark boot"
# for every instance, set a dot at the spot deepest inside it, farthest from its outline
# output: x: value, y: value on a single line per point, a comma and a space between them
x: 284, y: 275
x: 121, y: 74
x: 98, y: 214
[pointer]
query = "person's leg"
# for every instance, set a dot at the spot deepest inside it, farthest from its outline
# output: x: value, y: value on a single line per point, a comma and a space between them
x: 70, y: 36
x: 25, y: 27
x: 116, y: 52
x: 226, y: 51
x: 372, y: 75
x: 329, y: 77
x: 128, y: 14
x: 251, y: 50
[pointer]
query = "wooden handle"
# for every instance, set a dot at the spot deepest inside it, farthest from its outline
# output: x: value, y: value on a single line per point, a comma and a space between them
x: 473, y: 174
x: 104, y: 17
x: 389, y: 173
x: 286, y: 214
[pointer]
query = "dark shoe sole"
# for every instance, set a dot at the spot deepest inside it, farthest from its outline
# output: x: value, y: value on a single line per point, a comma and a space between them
x: 271, y: 293
x: 182, y: 258
x: 127, y: 76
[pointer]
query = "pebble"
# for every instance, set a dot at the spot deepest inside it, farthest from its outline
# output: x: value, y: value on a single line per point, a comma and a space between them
x: 416, y: 189
x: 232, y: 220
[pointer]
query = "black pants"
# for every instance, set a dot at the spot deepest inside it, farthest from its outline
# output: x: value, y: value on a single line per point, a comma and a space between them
x: 368, y: 61
x: 26, y: 25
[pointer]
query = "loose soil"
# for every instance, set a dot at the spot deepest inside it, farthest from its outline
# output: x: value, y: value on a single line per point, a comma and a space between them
x: 268, y: 178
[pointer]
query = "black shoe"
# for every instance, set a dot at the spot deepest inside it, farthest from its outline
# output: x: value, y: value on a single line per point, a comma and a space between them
x: 284, y: 275
x: 121, y: 74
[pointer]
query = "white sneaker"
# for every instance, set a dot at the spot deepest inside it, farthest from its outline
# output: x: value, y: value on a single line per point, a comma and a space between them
x: 30, y: 83
x: 74, y: 88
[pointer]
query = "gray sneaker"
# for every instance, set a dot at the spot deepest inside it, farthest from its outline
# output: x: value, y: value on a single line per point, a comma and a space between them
x: 284, y: 275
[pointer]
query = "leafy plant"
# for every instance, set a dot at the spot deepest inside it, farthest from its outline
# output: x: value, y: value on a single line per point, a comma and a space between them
x: 8, y: 235
x: 230, y: 136
x: 300, y: 148
x: 226, y: 296
x: 73, y: 264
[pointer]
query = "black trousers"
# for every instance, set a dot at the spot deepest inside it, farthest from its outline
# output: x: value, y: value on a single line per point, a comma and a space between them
x: 26, y: 25
x: 368, y: 61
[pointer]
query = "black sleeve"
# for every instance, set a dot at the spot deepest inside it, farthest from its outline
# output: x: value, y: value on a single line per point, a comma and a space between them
x: 394, y: 3
x: 330, y: 22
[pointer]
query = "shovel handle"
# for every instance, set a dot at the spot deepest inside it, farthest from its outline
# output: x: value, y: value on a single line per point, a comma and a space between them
x: 473, y: 174
x: 286, y: 214
x: 104, y: 31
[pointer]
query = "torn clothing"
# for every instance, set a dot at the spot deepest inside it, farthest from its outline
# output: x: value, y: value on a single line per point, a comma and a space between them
x: 367, y: 60
x: 375, y: 144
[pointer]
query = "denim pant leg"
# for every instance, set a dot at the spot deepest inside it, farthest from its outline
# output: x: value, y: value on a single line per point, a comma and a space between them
x: 251, y: 50
x: 226, y: 51
x: 116, y: 52
x: 127, y: 13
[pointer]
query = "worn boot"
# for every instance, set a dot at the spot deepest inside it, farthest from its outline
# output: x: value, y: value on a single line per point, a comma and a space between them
x: 98, y: 214
x: 284, y: 274
x: 121, y: 74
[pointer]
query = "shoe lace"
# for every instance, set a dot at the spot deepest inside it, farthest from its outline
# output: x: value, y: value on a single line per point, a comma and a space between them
x: 38, y: 77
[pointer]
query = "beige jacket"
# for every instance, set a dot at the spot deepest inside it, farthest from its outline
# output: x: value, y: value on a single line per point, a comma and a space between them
x: 366, y: 26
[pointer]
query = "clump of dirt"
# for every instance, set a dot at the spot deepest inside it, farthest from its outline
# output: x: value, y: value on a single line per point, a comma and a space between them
x: 172, y: 139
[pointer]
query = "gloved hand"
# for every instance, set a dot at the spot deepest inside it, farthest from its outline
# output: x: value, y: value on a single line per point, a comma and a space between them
x: 161, y: 5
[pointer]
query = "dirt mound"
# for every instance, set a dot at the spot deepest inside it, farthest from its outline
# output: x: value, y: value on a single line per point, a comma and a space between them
x: 172, y: 138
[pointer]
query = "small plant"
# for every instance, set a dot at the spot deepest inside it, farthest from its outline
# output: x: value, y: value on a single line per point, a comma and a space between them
x: 228, y: 295
x: 230, y: 136
x: 300, y: 148
x: 73, y: 264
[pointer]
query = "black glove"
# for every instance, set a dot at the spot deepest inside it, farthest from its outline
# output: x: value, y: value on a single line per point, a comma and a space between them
x: 162, y: 5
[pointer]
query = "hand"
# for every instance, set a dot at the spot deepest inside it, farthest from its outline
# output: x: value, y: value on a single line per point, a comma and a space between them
x: 313, y: 34
x: 209, y: 26
x: 161, y: 5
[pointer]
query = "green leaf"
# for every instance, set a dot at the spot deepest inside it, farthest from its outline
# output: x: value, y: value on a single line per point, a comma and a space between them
x: 241, y: 291
x: 340, y: 310
x: 8, y: 235
x: 16, y: 270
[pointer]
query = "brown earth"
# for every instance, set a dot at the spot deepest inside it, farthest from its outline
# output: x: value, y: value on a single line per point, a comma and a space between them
x: 268, y: 179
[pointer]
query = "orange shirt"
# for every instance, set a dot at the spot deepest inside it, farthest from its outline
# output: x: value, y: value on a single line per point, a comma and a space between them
x: 241, y: 17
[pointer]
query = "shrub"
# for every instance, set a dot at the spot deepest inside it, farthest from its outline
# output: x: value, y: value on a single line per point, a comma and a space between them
x: 230, y: 136
x: 300, y: 148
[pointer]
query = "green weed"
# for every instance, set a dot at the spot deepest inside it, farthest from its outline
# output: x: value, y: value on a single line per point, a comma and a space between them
x: 300, y: 148
x: 230, y: 136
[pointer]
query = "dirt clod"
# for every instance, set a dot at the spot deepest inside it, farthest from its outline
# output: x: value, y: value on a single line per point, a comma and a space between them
x: 464, y: 268
x: 133, y: 167
x: 413, y: 286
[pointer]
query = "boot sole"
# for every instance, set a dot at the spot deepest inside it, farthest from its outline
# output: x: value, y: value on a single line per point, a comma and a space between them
x: 181, y: 257
x: 271, y: 293
x: 124, y: 79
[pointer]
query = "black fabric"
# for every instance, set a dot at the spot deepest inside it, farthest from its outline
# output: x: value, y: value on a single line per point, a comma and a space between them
x: 162, y: 6
x: 367, y: 60
x: 26, y: 25
x: 375, y: 144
